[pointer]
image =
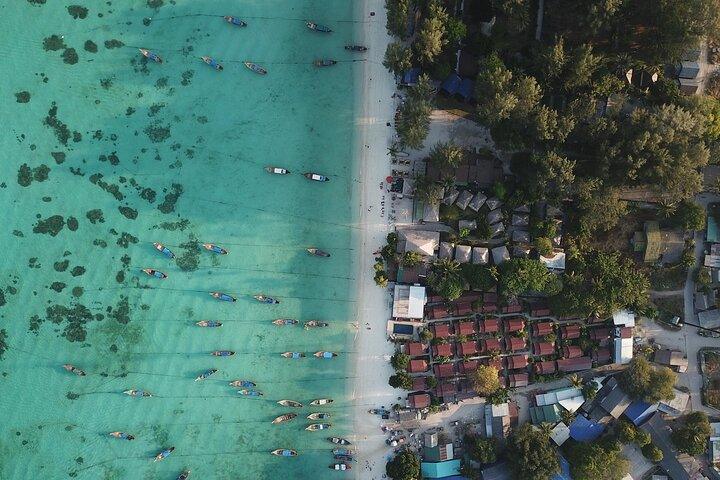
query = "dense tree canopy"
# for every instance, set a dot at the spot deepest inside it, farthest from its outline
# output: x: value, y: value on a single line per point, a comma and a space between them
x: 643, y: 381
x: 522, y: 275
x: 432, y: 38
x: 479, y: 277
x: 405, y: 466
x: 482, y: 450
x: 600, y: 460
x: 398, y: 58
x: 401, y: 380
x: 485, y: 380
x: 398, y: 15
x: 413, y: 119
x: 444, y: 278
x: 692, y: 436
x: 532, y: 453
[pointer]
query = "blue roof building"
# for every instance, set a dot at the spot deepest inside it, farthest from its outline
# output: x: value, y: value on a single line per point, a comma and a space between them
x: 451, y: 83
x: 440, y: 469
x: 410, y: 78
x: 564, y: 470
x: 639, y: 411
x: 467, y: 89
x: 584, y: 430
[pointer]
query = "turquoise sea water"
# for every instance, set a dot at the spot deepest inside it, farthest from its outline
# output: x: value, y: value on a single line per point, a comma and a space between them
x: 107, y: 153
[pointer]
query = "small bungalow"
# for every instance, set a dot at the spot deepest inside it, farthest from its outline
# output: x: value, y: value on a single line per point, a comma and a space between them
x: 418, y: 366
x: 463, y: 199
x: 676, y: 406
x: 517, y: 380
x: 545, y: 414
x: 415, y: 349
x: 513, y: 307
x: 466, y: 327
x: 494, y: 216
x: 443, y: 350
x: 515, y: 362
x: 418, y: 400
x: 431, y: 212
x: 480, y: 255
x: 490, y: 345
x: 438, y: 311
x: 520, y: 220
x: 410, y: 78
x: 477, y: 201
x: 539, y: 311
x: 569, y: 332
x: 584, y: 430
x: 468, y: 348
x: 441, y: 330
x: 500, y: 254
x: 543, y: 348
x: 470, y: 225
x: 520, y: 236
x: 555, y: 262
x: 450, y: 196
x: 545, y: 368
x: 496, y: 363
x: 496, y: 229
x: 421, y: 241
x: 493, y: 203
x: 444, y: 370
x: 560, y: 434
x: 672, y: 358
x: 463, y: 253
x: 440, y: 470
x: 446, y: 391
x: 658, y: 245
x: 490, y: 325
x: 468, y: 366
x: 623, y: 350
x: 419, y: 383
x: 601, y: 335
x: 571, y: 351
x: 601, y: 356
x: 541, y: 329
x: 570, y: 365
x: 515, y: 344
x: 446, y: 250
x: 514, y: 324
x: 463, y: 308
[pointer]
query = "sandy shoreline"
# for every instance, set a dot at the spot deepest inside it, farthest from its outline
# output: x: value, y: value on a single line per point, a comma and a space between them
x: 371, y: 365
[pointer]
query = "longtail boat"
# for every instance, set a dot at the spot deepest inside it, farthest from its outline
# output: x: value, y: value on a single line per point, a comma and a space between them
x: 255, y: 68
x: 284, y: 418
x: 222, y: 353
x: 214, y: 248
x: 266, y: 299
x: 315, y: 324
x: 325, y: 354
x: 324, y: 62
x: 208, y: 324
x: 164, y: 250
x: 346, y: 458
x: 342, y: 466
x: 224, y: 297
x: 164, y: 454
x: 184, y: 475
x: 73, y: 369
x: 122, y: 435
x: 284, y: 452
x: 317, y: 27
x: 242, y: 383
x: 339, y: 441
x: 285, y: 321
x: 342, y: 451
x: 290, y: 403
x: 316, y: 177
x: 314, y: 427
x: 235, y: 21
x: 317, y: 252
x: 212, y: 62
x: 155, y: 273
x: 245, y: 392
x: 151, y: 55
x: 205, y: 374
x: 321, y: 401
x: 137, y: 393
x: 276, y: 170
x: 319, y: 416
x: 356, y: 48
x: 293, y: 355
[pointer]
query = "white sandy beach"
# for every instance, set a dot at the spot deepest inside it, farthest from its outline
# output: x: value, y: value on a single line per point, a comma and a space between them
x: 372, y: 367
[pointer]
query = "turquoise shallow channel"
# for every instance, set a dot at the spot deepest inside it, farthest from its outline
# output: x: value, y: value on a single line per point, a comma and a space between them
x: 104, y: 153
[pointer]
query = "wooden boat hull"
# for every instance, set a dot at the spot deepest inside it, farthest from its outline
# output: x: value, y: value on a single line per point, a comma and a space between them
x: 322, y: 401
x: 254, y: 67
x: 290, y: 403
x: 284, y: 452
x: 318, y: 416
x: 276, y: 170
x: 208, y: 324
x: 339, y: 441
x: 317, y: 426
x: 284, y: 418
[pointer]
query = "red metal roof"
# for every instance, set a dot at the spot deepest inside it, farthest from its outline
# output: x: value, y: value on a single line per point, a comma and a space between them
x: 468, y: 348
x: 514, y: 344
x: 512, y: 309
x: 574, y: 364
x: 572, y: 351
x: 417, y: 366
x: 543, y: 348
x: 443, y: 349
x: 601, y: 356
x: 469, y: 366
x: 490, y: 297
x: 438, y: 311
x: 544, y: 368
x: 514, y: 324
x: 489, y: 308
x: 415, y: 348
x: 626, y: 332
x: 445, y: 389
x: 466, y: 328
x: 440, y: 330
x: 464, y: 308
x: 570, y: 331
x: 599, y: 333
x: 516, y: 361
x: 490, y: 344
x: 419, y: 383
x: 542, y: 328
x: 444, y: 370
x: 517, y: 380
x: 489, y: 325
x: 419, y: 400
x: 540, y: 312
x: 493, y: 362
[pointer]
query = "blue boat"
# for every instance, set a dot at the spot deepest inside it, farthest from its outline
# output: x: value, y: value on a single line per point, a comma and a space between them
x: 255, y: 68
x: 211, y: 247
x: 209, y: 324
x: 317, y: 27
x: 266, y: 299
x: 205, y: 374
x: 284, y: 452
x: 164, y: 250
x: 212, y: 62
x: 137, y: 393
x: 293, y: 355
x: 154, y: 273
x: 151, y: 55
x: 222, y: 353
x: 235, y: 21
x: 223, y: 297
x: 242, y: 383
x: 250, y: 393
x: 164, y: 454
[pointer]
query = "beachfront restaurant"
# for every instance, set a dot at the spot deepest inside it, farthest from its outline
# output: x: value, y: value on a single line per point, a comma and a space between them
x: 409, y: 302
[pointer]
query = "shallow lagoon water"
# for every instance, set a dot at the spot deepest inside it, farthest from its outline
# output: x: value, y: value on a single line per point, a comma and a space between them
x: 104, y: 153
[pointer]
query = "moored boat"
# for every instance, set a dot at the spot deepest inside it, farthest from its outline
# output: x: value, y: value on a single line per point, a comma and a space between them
x: 340, y: 466
x: 318, y: 416
x: 314, y: 427
x: 345, y: 458
x: 342, y: 451
x: 122, y: 435
x: 184, y: 475
x: 209, y: 324
x: 255, y: 68
x: 154, y: 273
x: 285, y: 321
x: 137, y: 393
x: 356, y: 48
x: 164, y: 250
x: 284, y: 418
x: 325, y: 354
x: 339, y: 441
x: 242, y: 383
x: 151, y: 55
x: 211, y: 247
x: 293, y: 355
x: 316, y: 177
x: 222, y: 353
x: 290, y: 403
x: 317, y: 252
x: 223, y: 297
x: 73, y: 369
x: 266, y: 299
x: 235, y: 21
x: 315, y: 324
x: 212, y: 62
x: 284, y: 452
x: 205, y: 374
x: 321, y: 401
x: 317, y: 27
x: 324, y: 62
x: 276, y: 170
x: 164, y: 454
x: 245, y: 392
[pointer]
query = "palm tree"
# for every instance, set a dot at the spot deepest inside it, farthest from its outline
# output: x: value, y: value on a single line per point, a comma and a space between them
x: 426, y: 190
x: 446, y: 155
x: 575, y: 380
x: 446, y: 267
